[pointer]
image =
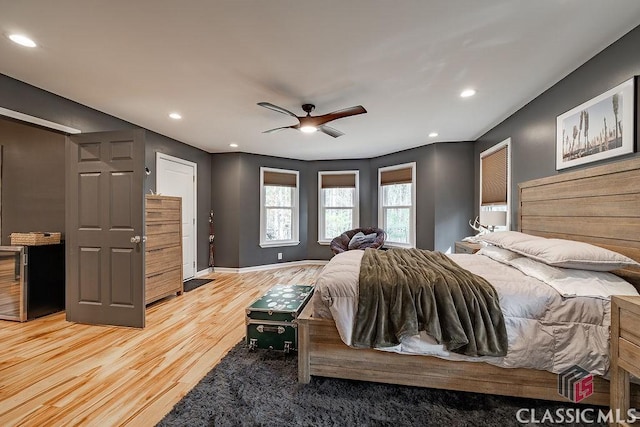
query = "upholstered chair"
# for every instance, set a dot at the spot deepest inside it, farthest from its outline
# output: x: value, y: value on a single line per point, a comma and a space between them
x: 341, y: 243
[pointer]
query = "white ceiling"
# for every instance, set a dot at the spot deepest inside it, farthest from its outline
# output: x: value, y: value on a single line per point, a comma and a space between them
x: 405, y: 61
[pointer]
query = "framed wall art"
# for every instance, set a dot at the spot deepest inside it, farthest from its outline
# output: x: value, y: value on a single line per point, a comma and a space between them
x: 600, y: 128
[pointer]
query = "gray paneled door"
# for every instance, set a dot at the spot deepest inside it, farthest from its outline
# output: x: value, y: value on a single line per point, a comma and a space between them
x: 104, y: 228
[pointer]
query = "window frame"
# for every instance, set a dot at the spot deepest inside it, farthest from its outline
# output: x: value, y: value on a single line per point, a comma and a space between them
x: 295, y: 211
x: 506, y: 143
x: 412, y: 208
x: 355, y: 217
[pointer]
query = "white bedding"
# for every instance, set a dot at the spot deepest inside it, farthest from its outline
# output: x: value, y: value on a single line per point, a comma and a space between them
x: 546, y: 330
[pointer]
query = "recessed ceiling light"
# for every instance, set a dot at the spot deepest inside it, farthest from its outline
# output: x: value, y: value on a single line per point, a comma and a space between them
x: 433, y: 134
x: 22, y: 40
x: 234, y: 145
x: 175, y: 116
x: 467, y: 93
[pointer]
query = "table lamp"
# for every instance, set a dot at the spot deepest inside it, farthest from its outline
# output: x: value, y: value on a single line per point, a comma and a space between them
x: 492, y: 219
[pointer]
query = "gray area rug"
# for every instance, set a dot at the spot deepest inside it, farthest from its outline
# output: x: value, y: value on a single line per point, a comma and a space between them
x: 260, y: 389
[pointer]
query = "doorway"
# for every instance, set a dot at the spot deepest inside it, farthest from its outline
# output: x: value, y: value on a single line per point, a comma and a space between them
x: 178, y: 177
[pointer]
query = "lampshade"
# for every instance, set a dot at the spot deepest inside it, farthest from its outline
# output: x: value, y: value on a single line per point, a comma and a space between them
x: 493, y: 218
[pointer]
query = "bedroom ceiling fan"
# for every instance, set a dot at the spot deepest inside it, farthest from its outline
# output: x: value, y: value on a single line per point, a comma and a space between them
x: 309, y: 123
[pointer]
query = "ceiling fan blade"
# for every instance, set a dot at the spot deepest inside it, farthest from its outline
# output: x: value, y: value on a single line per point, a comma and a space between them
x: 280, y: 128
x: 276, y: 108
x: 351, y: 111
x: 330, y: 131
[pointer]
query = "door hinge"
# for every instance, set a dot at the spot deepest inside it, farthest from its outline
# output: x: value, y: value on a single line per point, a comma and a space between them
x: 194, y: 264
x: 194, y: 221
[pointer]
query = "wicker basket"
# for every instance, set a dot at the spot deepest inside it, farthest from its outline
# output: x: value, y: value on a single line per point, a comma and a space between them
x: 35, y: 238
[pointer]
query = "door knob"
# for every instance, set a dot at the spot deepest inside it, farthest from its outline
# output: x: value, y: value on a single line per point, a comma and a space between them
x: 135, y: 239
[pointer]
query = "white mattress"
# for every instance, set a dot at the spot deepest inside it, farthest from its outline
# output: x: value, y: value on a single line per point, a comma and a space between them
x: 546, y: 330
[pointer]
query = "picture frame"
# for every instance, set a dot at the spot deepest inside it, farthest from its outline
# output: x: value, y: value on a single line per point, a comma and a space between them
x: 598, y: 129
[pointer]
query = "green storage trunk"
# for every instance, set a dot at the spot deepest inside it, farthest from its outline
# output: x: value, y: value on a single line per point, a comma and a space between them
x: 271, y: 320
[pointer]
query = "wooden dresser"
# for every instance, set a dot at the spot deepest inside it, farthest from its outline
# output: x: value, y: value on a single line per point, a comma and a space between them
x: 163, y: 249
x: 625, y: 350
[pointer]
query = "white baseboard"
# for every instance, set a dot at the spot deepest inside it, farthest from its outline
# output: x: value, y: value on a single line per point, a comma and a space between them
x: 269, y: 266
x: 204, y: 272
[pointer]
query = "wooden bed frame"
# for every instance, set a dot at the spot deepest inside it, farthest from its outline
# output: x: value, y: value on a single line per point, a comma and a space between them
x: 598, y: 205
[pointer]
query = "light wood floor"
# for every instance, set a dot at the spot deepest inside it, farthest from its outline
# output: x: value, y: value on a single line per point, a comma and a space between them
x: 55, y: 373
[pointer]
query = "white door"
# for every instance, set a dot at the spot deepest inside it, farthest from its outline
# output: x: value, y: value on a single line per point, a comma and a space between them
x: 177, y: 177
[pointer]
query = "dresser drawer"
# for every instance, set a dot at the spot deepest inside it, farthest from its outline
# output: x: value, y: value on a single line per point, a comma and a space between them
x: 159, y: 260
x: 164, y: 240
x: 163, y: 202
x: 629, y: 341
x: 625, y: 353
x: 630, y: 326
x: 629, y: 357
x: 162, y: 228
x: 163, y: 284
x: 162, y: 215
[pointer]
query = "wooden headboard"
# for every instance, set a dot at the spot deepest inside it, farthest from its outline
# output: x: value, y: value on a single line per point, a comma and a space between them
x: 598, y: 205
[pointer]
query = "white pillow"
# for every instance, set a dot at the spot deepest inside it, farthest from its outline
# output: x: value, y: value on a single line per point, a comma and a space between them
x: 505, y: 239
x: 575, y: 283
x: 572, y: 254
x: 498, y: 254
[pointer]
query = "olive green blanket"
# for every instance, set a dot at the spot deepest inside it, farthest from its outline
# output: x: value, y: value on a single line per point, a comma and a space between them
x: 405, y: 291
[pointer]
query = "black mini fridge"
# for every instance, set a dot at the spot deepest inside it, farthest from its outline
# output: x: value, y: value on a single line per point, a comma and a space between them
x: 32, y: 281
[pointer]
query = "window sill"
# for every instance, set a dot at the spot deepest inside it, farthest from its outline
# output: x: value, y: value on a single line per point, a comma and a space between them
x: 324, y: 242
x: 398, y: 245
x: 278, y: 244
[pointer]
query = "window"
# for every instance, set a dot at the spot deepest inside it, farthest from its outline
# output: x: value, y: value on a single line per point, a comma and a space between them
x: 338, y: 201
x: 278, y: 207
x: 495, y: 182
x: 397, y: 204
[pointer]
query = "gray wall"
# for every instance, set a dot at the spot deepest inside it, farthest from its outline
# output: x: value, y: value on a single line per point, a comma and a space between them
x: 314, y: 249
x: 226, y: 206
x: 444, y: 198
x: 425, y: 189
x: 444, y: 202
x: 453, y: 193
x: 235, y: 200
x: 32, y: 179
x: 250, y: 251
x: 19, y: 96
x: 533, y: 128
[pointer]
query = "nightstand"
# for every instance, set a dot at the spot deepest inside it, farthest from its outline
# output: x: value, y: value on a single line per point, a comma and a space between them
x: 625, y: 349
x: 467, y: 247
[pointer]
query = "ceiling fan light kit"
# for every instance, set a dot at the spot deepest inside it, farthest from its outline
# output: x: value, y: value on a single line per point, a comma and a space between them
x: 309, y: 123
